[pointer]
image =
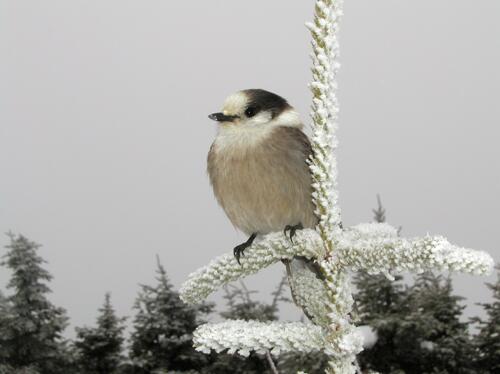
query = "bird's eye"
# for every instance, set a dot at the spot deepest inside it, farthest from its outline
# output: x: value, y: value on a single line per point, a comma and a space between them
x: 251, y: 111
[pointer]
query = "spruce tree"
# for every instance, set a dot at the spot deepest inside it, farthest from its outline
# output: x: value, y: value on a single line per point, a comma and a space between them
x: 99, y: 348
x: 423, y: 334
x: 163, y: 328
x: 430, y: 338
x: 242, y: 306
x: 487, y: 340
x: 30, y: 326
x: 4, y: 312
x: 4, y: 306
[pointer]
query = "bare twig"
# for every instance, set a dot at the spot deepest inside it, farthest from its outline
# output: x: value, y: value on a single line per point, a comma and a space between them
x: 279, y: 291
x: 271, y: 363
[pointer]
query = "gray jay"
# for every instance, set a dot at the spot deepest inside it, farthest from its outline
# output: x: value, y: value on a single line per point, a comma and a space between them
x: 257, y: 166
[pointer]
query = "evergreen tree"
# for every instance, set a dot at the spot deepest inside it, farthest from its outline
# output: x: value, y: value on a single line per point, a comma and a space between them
x: 163, y: 330
x: 99, y: 348
x: 242, y: 306
x: 379, y: 213
x: 30, y: 326
x: 488, y: 339
x: 4, y: 306
x: 430, y: 338
x: 423, y: 334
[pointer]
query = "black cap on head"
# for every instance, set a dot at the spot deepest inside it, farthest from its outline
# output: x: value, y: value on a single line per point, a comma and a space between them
x: 266, y: 101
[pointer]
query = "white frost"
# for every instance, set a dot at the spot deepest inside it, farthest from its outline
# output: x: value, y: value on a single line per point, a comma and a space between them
x: 242, y: 337
x: 370, y: 336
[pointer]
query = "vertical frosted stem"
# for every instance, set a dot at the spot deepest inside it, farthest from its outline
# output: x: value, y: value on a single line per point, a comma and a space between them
x: 325, y: 108
x: 324, y: 30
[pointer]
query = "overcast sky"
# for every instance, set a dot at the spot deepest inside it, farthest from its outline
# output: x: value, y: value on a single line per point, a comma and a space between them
x: 104, y: 129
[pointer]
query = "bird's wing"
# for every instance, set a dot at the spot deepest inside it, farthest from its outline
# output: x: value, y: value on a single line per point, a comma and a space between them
x: 295, y: 147
x: 300, y: 143
x: 300, y: 140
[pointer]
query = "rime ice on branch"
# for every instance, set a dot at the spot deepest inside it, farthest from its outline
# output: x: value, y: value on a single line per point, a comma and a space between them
x: 246, y: 336
x: 374, y: 248
x: 264, y: 252
x: 371, y: 247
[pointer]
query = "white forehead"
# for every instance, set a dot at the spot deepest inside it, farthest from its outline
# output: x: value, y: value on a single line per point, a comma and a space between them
x: 235, y: 103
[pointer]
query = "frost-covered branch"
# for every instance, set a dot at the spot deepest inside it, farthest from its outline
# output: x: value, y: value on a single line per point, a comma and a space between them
x: 324, y: 115
x: 324, y: 31
x: 372, y: 247
x: 376, y: 248
x: 263, y: 253
x: 242, y: 337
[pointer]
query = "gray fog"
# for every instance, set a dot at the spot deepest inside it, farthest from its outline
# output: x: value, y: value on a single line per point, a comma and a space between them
x: 104, y: 129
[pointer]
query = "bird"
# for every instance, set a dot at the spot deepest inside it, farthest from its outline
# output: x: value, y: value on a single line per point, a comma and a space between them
x: 257, y: 166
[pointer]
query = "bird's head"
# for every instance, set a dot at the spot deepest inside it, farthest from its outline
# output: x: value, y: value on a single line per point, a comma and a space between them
x: 256, y: 108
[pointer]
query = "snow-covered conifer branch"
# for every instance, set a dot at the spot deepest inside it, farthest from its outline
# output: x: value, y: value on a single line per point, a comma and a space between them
x: 324, y: 115
x: 324, y: 31
x: 376, y: 248
x: 242, y: 337
x: 270, y: 249
x: 310, y: 294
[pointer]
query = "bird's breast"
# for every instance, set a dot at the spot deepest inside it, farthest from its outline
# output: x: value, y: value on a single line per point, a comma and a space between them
x: 262, y: 186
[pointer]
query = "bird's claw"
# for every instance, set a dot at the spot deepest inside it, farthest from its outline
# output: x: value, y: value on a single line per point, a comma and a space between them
x: 293, y: 230
x: 239, y: 250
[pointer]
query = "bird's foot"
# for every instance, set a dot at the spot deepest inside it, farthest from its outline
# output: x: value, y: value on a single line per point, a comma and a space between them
x: 238, y: 251
x: 293, y: 230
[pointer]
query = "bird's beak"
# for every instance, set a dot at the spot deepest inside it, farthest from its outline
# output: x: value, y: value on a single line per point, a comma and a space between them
x: 221, y: 117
